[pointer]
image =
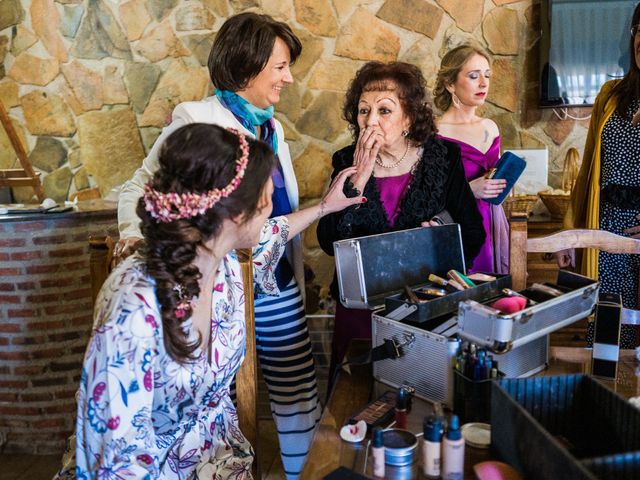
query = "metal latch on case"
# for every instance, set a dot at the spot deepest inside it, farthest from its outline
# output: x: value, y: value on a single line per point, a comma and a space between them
x: 525, y: 317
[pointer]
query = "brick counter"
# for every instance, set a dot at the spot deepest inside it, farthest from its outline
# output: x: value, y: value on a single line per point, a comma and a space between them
x: 45, y: 321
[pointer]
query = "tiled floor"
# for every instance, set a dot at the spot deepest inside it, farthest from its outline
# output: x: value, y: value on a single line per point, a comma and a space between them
x: 41, y: 467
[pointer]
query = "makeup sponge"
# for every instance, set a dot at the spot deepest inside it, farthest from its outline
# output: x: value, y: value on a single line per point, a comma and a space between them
x: 510, y: 304
x: 495, y: 471
x: 354, y: 432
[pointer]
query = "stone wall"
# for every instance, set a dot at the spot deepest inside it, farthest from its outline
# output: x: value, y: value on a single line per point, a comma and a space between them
x: 90, y: 83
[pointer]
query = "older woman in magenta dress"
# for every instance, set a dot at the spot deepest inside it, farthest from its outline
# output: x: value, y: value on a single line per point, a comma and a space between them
x: 461, y: 87
x: 406, y: 174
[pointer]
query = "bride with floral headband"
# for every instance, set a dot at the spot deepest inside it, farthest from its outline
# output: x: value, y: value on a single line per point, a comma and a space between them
x: 169, y: 332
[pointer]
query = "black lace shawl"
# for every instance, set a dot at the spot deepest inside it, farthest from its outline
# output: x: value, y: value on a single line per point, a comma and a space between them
x: 438, y: 183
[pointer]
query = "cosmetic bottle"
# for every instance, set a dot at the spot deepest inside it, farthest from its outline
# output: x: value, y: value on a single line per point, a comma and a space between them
x: 402, y: 403
x: 377, y: 453
x: 453, y: 452
x: 431, y: 446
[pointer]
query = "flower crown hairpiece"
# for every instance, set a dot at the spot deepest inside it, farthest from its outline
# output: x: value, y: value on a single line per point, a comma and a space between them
x: 170, y: 206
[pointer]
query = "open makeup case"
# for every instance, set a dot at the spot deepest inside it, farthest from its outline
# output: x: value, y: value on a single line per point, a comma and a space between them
x: 375, y: 272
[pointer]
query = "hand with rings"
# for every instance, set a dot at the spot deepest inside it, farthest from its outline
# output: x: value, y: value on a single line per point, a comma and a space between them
x: 368, y: 145
x: 126, y: 247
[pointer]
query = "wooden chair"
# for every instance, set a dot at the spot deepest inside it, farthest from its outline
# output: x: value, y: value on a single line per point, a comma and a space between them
x: 520, y: 245
x: 572, y: 335
x: 247, y: 376
x: 100, y: 264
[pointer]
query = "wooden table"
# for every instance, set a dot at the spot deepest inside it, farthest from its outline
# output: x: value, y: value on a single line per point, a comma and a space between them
x: 354, y: 389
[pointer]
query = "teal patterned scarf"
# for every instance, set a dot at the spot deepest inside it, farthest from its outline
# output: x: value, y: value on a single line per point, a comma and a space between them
x: 251, y: 116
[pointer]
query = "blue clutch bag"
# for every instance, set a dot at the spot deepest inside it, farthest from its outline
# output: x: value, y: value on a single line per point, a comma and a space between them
x: 509, y: 168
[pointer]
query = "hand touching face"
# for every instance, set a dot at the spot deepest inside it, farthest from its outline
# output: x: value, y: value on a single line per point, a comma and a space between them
x: 382, y: 112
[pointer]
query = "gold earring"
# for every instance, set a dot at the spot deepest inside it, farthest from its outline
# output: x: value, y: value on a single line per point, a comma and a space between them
x: 455, y: 100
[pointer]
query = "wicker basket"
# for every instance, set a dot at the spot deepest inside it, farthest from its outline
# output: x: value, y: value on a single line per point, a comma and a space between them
x: 555, y: 203
x: 519, y: 203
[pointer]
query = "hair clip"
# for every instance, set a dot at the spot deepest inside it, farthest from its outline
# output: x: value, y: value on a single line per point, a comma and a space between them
x: 185, y: 304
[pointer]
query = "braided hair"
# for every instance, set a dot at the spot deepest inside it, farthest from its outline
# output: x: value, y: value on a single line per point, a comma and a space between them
x: 195, y: 159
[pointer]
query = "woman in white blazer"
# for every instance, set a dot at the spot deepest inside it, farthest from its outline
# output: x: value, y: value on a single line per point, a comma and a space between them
x: 209, y: 110
x: 249, y: 64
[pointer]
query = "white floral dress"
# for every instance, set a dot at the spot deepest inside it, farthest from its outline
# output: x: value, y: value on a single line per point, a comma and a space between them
x: 143, y: 415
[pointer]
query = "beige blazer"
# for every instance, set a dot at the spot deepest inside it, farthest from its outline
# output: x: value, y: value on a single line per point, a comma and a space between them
x: 209, y: 110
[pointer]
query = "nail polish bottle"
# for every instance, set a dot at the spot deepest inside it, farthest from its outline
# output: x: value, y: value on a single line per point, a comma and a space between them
x: 402, y: 403
x: 453, y: 452
x: 377, y: 453
x: 431, y: 447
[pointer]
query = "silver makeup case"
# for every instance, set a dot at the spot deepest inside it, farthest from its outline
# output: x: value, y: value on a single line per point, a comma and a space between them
x: 427, y: 359
x: 501, y: 333
x: 372, y: 272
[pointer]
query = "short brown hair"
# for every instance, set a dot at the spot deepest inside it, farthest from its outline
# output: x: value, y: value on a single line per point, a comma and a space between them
x: 410, y: 85
x: 243, y: 46
x: 450, y: 66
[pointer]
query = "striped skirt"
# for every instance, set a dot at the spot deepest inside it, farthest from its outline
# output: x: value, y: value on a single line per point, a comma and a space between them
x: 284, y: 351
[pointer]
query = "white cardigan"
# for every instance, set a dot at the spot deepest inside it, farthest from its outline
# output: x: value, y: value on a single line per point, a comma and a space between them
x: 209, y: 110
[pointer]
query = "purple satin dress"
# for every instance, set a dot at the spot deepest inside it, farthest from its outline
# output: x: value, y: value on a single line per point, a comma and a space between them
x: 392, y: 190
x: 476, y: 164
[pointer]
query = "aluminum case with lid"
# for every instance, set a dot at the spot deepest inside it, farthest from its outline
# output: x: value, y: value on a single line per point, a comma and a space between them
x: 488, y: 327
x: 372, y: 272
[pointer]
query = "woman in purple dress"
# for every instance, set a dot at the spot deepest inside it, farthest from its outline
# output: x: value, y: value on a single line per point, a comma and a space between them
x: 461, y: 87
x: 406, y: 174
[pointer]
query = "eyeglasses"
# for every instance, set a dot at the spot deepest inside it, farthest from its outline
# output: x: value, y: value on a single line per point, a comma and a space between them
x: 635, y: 29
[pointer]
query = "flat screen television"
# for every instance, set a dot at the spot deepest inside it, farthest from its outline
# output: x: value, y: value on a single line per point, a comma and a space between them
x: 584, y: 44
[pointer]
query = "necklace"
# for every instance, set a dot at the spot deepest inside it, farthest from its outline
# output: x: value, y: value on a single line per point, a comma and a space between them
x: 395, y: 164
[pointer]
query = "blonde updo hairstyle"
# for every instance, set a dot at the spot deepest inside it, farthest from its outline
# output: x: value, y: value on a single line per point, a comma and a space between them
x: 450, y: 66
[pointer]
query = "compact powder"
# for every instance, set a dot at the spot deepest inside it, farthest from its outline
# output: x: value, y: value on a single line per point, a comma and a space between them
x: 477, y: 435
